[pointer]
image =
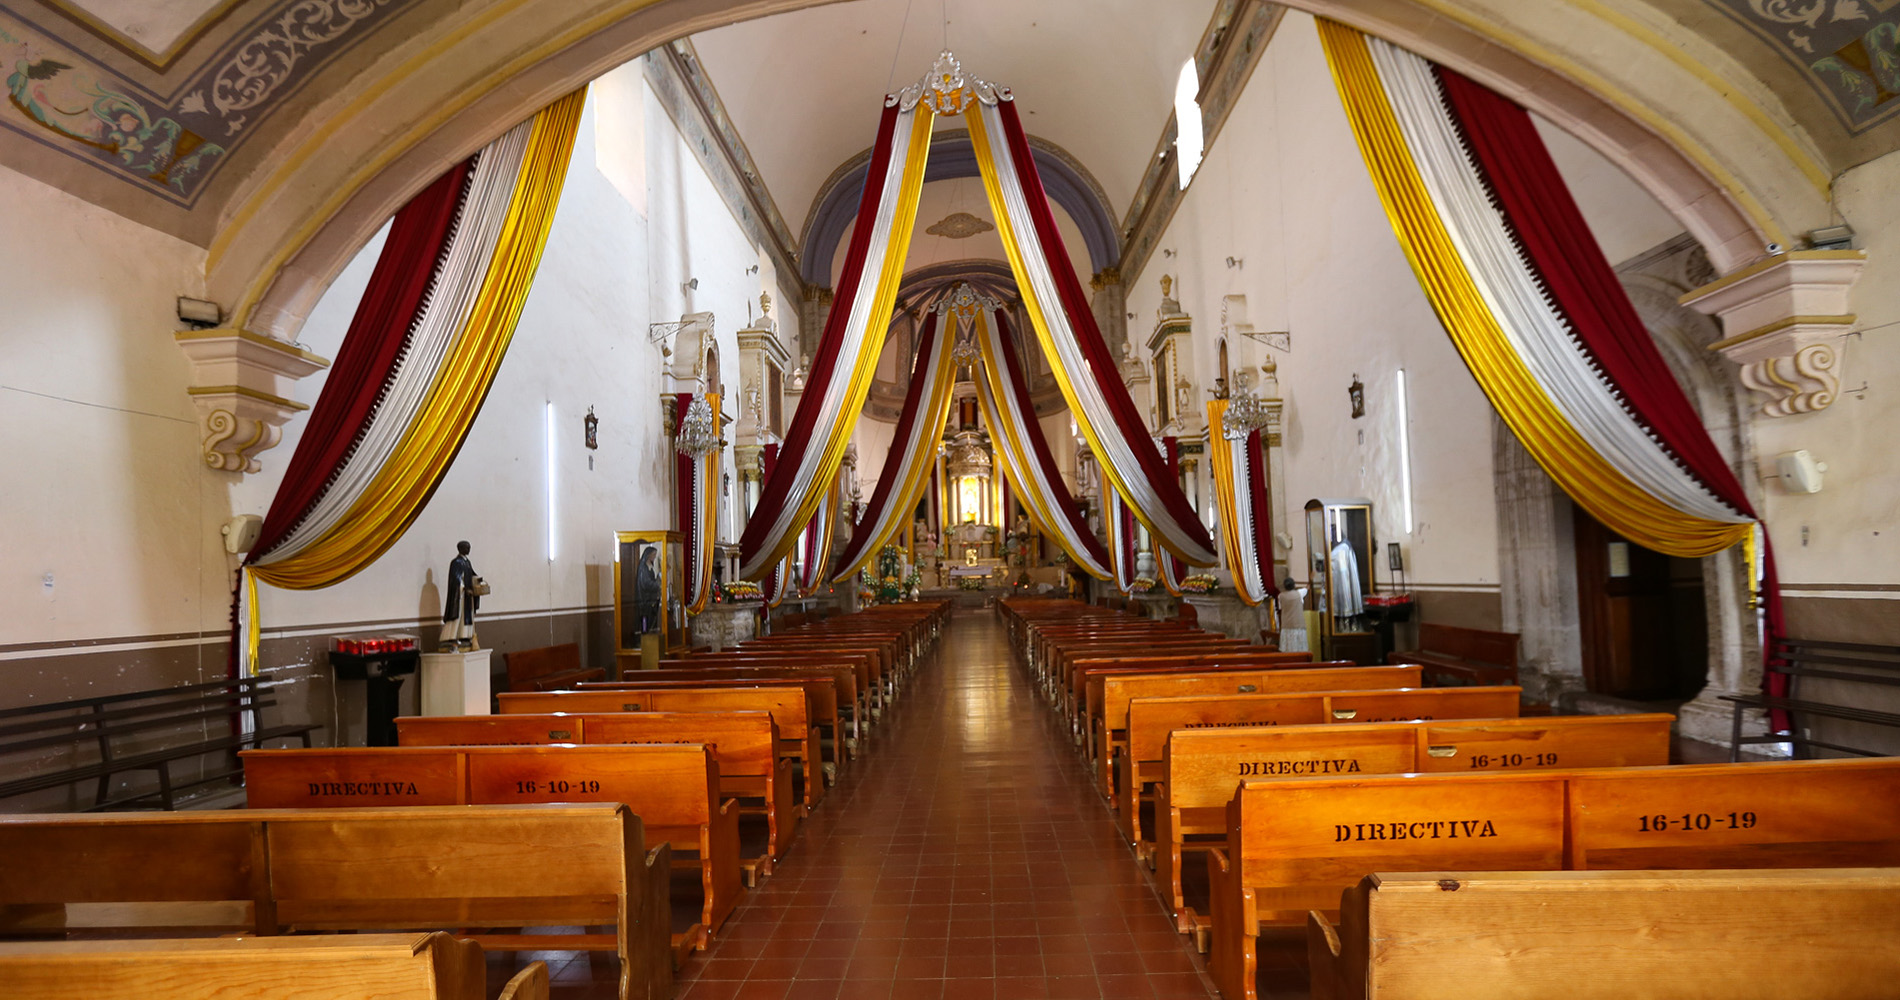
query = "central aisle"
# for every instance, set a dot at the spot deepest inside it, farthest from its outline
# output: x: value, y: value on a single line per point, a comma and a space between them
x: 963, y: 857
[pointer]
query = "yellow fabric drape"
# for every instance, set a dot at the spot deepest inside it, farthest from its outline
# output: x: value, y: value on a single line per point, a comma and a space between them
x: 981, y: 141
x: 997, y: 384
x: 1224, y: 487
x: 1586, y: 476
x: 403, y: 486
x: 918, y: 476
x: 707, y: 520
x: 890, y: 276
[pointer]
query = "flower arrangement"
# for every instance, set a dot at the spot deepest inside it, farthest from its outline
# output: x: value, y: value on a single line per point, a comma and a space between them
x: 969, y: 583
x: 1142, y: 584
x: 742, y: 590
x: 1200, y: 583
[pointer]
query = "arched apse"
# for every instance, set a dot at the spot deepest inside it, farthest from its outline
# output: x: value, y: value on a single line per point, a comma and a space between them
x: 1067, y: 183
x: 1693, y: 128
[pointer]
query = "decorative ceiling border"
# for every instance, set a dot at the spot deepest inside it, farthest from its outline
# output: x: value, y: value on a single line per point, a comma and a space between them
x: 1848, y: 53
x: 121, y: 42
x: 171, y: 144
x: 680, y: 81
x: 1235, y: 39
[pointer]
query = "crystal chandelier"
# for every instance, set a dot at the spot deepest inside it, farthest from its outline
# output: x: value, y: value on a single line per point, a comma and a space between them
x: 697, y: 436
x: 1245, y: 413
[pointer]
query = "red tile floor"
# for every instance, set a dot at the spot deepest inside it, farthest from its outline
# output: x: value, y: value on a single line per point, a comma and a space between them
x: 963, y: 856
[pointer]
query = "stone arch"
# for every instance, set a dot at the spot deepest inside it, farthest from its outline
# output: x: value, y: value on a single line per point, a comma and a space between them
x: 1537, y: 558
x: 1697, y: 132
x: 1064, y: 179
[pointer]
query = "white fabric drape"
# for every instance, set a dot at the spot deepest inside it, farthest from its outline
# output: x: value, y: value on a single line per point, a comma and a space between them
x: 1083, y: 390
x: 1004, y: 412
x: 1121, y: 540
x: 854, y: 363
x: 1539, y: 334
x: 1243, y: 561
x: 477, y: 232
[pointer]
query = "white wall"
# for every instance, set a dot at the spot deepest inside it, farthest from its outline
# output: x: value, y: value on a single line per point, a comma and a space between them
x: 1284, y: 190
x: 105, y: 489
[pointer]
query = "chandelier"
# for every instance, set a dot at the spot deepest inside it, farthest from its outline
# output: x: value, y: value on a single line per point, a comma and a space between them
x: 1245, y: 413
x: 697, y: 435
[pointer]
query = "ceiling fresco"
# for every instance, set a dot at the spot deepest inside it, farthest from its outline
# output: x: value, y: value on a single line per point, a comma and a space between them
x: 171, y: 137
x: 1849, y: 50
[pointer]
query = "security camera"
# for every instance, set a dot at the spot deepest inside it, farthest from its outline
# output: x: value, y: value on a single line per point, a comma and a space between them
x: 1775, y: 249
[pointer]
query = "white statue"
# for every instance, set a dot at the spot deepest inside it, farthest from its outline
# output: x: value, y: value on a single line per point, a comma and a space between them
x: 798, y: 374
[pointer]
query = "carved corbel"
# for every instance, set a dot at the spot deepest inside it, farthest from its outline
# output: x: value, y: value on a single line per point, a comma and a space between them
x: 237, y: 385
x: 1780, y: 319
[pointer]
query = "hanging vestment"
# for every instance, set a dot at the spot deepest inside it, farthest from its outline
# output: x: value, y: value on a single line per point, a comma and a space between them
x: 1347, y: 599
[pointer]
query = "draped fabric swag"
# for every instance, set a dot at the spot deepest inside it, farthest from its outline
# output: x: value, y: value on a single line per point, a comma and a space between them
x: 813, y: 543
x: 1522, y: 287
x: 1168, y: 569
x: 697, y: 482
x: 913, y: 454
x: 1059, y: 311
x: 840, y: 379
x: 415, y: 366
x: 1121, y: 539
x: 1240, y: 489
x: 1028, y: 465
x: 774, y: 585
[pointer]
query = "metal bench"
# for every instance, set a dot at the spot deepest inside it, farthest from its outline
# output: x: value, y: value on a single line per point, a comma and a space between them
x: 1812, y: 659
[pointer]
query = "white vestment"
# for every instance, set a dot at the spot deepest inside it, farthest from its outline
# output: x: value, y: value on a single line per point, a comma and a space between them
x: 1346, y: 598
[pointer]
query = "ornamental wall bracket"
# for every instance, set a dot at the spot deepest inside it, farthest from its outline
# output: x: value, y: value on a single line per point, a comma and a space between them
x: 238, y: 382
x: 1782, y: 319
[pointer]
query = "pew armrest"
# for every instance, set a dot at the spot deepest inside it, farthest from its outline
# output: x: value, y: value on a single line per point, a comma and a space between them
x: 530, y: 983
x: 1322, y: 956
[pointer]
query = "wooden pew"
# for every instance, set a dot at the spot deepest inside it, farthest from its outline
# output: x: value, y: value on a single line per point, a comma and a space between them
x: 788, y: 706
x: 548, y: 668
x: 1200, y: 767
x: 329, y: 967
x: 857, y: 686
x: 1082, y: 673
x: 1110, y: 691
x: 1295, y: 844
x: 822, y: 695
x: 745, y: 745
x: 270, y: 871
x: 1150, y: 720
x: 1464, y: 655
x: 1819, y: 934
x: 673, y: 788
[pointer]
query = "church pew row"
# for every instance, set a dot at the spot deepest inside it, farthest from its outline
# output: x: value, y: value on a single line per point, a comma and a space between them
x: 1200, y: 768
x: 1819, y: 934
x: 852, y: 674
x: 745, y: 745
x: 1060, y: 649
x: 821, y: 706
x: 1150, y: 720
x: 331, y: 967
x: 1113, y: 691
x: 1088, y: 675
x: 268, y: 872
x: 673, y: 788
x: 1296, y: 844
x: 789, y: 707
x: 1067, y: 660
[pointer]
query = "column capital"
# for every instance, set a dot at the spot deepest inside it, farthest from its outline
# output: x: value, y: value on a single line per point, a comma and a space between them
x: 1780, y: 318
x: 239, y: 381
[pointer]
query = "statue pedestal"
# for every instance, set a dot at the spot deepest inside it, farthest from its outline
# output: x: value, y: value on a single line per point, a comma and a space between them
x: 455, y: 683
x: 1226, y: 614
x: 722, y: 625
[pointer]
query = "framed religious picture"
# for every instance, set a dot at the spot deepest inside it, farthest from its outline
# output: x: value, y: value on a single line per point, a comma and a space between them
x: 648, y: 595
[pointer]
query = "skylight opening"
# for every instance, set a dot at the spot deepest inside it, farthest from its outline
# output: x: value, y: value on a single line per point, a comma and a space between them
x: 1188, y: 141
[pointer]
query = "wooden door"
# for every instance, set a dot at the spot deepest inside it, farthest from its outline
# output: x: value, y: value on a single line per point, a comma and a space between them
x: 1640, y: 613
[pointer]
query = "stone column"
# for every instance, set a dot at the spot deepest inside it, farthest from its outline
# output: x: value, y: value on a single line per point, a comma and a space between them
x: 1537, y: 571
x: 811, y: 319
x: 1109, y: 303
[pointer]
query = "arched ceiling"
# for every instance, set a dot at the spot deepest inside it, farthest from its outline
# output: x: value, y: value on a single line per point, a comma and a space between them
x: 1096, y: 79
x: 279, y: 134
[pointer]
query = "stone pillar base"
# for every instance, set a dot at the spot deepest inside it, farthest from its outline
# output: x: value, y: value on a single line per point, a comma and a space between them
x: 1710, y: 720
x: 1226, y: 614
x: 722, y: 625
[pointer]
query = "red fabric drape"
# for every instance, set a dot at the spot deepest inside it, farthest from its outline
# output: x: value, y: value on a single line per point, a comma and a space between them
x: 1564, y: 253
x: 372, y: 348
x: 686, y: 500
x: 769, y: 586
x: 1171, y: 455
x: 1256, y: 487
x: 888, y: 479
x: 1102, y: 365
x: 782, y: 486
x: 1018, y: 386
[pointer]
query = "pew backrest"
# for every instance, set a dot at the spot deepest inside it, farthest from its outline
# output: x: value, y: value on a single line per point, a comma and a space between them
x: 1118, y: 691
x: 1825, y: 934
x: 1150, y: 720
